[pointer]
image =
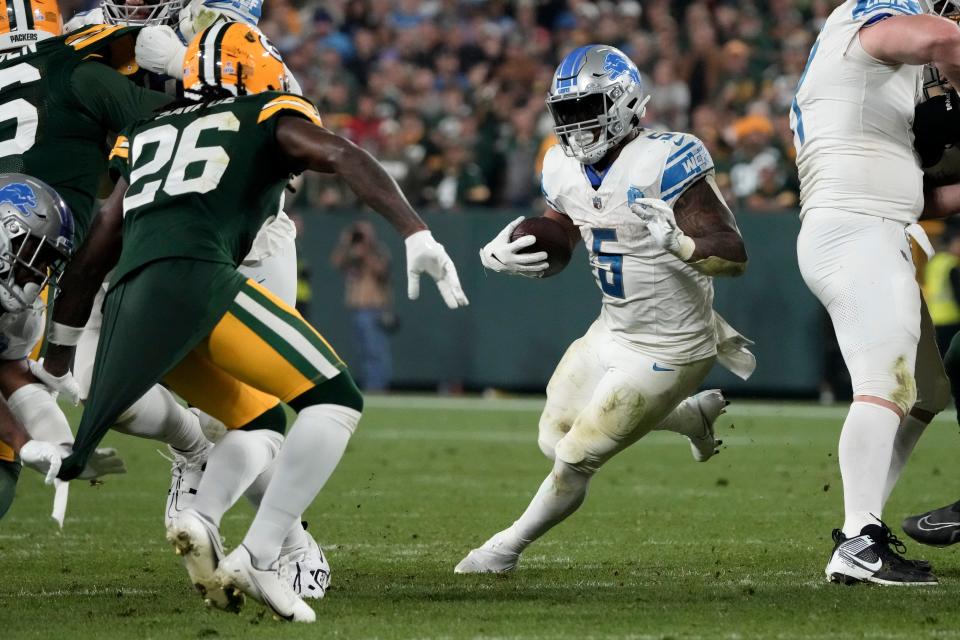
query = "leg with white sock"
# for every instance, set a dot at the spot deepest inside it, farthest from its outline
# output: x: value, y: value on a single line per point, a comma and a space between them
x: 158, y: 416
x: 625, y: 405
x: 933, y: 395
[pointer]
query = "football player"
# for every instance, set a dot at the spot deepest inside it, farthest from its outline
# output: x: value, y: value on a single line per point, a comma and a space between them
x: 657, y: 231
x: 272, y: 262
x: 37, y: 239
x: 862, y: 192
x: 64, y: 98
x: 177, y: 307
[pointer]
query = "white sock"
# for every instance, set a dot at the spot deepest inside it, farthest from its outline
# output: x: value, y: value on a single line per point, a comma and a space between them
x: 296, y: 537
x: 313, y: 448
x: 158, y: 416
x: 37, y: 410
x: 234, y: 463
x: 907, y: 436
x: 866, y: 446
x: 559, y: 496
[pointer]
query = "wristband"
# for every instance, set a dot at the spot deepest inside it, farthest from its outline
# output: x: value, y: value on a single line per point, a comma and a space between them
x: 64, y: 335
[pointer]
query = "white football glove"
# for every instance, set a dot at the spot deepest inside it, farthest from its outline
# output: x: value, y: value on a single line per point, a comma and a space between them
x: 662, y: 225
x: 426, y: 255
x: 65, y: 385
x: 159, y: 50
x: 103, y: 462
x: 45, y: 457
x: 502, y: 255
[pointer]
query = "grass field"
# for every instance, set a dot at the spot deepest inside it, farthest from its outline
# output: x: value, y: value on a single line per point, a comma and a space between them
x: 663, y: 547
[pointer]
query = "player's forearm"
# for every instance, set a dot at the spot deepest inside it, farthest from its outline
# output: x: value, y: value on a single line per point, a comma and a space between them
x: 940, y: 202
x: 720, y: 254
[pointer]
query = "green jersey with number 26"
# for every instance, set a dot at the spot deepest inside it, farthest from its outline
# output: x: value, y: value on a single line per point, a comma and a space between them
x: 59, y: 100
x: 203, y: 178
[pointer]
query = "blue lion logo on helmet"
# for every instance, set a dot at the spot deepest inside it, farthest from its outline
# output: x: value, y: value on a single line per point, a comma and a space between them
x: 19, y: 195
x: 616, y: 65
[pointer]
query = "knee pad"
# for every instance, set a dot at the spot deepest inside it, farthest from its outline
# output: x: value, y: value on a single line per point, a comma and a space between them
x: 340, y: 389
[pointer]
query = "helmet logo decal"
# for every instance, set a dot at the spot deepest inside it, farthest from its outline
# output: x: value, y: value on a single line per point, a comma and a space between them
x: 616, y: 65
x: 19, y: 195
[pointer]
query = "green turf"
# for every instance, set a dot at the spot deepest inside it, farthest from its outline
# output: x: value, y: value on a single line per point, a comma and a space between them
x: 663, y: 547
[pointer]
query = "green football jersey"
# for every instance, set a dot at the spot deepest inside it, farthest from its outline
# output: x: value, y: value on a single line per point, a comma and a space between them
x: 59, y: 100
x: 203, y: 178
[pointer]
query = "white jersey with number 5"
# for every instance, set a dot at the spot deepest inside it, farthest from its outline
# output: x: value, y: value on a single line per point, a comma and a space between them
x: 852, y: 120
x: 652, y: 300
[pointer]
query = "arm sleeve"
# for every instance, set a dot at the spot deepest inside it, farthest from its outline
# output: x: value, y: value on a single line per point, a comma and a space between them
x: 119, y: 159
x: 110, y: 98
x: 687, y: 163
x: 548, y: 179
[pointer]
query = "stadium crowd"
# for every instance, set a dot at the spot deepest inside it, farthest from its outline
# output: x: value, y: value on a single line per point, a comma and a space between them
x: 449, y: 93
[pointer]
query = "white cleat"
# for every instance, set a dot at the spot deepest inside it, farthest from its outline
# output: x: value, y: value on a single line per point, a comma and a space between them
x: 711, y: 405
x: 198, y: 543
x: 270, y: 587
x: 489, y: 558
x: 308, y: 569
x: 185, y: 474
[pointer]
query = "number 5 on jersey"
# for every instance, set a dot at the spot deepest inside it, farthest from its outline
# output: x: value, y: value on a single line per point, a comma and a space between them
x: 153, y: 149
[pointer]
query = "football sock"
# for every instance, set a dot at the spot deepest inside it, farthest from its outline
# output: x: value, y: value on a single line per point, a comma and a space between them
x: 559, y: 496
x: 37, y: 410
x: 907, y: 436
x: 296, y: 537
x: 233, y: 464
x: 158, y: 416
x: 313, y: 448
x: 866, y: 446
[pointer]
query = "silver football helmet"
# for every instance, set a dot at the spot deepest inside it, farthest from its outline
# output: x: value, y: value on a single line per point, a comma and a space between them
x: 150, y: 12
x: 596, y: 99
x: 38, y: 232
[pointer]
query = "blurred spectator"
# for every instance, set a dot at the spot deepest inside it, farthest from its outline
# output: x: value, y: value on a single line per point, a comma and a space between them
x: 475, y: 73
x: 365, y: 264
x: 941, y: 286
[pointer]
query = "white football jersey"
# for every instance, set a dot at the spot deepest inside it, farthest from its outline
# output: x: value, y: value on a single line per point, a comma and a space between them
x: 852, y: 120
x: 652, y: 300
x: 20, y: 332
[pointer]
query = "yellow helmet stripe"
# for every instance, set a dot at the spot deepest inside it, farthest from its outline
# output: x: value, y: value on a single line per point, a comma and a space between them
x: 290, y: 103
x: 89, y: 36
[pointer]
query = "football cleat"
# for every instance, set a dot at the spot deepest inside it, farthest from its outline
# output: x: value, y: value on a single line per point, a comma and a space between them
x: 185, y: 473
x: 937, y: 528
x: 489, y: 558
x: 198, y: 543
x: 270, y: 587
x: 308, y: 569
x: 868, y: 557
x: 703, y: 442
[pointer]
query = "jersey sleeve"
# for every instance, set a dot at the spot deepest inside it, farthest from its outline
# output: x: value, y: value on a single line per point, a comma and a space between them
x: 686, y: 164
x: 110, y: 98
x: 119, y: 159
x: 549, y: 180
x: 869, y: 12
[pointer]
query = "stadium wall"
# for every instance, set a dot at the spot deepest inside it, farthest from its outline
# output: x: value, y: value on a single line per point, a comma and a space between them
x: 515, y: 330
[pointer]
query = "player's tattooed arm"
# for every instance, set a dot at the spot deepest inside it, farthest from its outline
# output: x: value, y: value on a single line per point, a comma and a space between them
x: 319, y: 149
x: 84, y: 275
x: 705, y: 218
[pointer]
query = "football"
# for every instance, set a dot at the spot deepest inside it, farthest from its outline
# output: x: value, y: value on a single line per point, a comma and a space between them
x: 551, y: 237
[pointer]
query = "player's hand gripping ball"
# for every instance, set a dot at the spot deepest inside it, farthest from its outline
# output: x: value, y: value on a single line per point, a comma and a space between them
x: 551, y: 238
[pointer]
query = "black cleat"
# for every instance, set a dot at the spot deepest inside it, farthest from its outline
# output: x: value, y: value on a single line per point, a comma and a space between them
x: 868, y: 557
x: 937, y: 528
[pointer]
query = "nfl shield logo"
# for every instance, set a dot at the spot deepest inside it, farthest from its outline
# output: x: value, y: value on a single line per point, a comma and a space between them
x: 597, y: 203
